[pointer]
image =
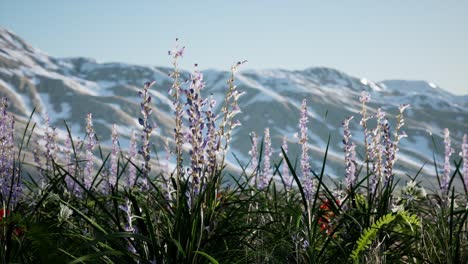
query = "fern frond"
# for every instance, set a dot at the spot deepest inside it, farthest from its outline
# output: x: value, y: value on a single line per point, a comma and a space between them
x: 369, y: 235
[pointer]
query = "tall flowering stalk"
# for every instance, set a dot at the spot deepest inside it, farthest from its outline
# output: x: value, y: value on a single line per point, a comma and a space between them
x: 254, y: 157
x: 165, y: 170
x: 127, y: 209
x: 210, y: 143
x: 388, y: 147
x: 444, y: 182
x: 398, y: 134
x: 350, y: 155
x: 114, y: 158
x: 196, y: 126
x: 175, y: 92
x: 10, y: 182
x: 305, y: 166
x: 266, y: 174
x: 285, y: 170
x: 377, y: 151
x: 144, y: 121
x: 90, y: 146
x: 67, y: 151
x: 132, y: 153
x: 230, y: 109
x: 464, y: 155
x: 51, y: 146
x: 364, y: 99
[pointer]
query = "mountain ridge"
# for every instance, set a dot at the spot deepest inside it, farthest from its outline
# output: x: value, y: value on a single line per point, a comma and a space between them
x: 60, y: 87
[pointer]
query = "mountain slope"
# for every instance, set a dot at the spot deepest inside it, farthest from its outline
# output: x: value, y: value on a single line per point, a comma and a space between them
x: 68, y: 88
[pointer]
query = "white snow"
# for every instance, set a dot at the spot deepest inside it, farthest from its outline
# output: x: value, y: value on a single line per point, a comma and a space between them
x: 49, y: 109
x: 264, y: 94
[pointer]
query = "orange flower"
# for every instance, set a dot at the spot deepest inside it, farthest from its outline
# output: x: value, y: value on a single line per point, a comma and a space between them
x: 327, y: 215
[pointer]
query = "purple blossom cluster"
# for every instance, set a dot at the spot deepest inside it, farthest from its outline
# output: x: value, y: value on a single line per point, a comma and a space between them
x: 175, y: 92
x: 464, y: 155
x: 211, y: 141
x: 147, y: 128
x: 285, y: 169
x: 90, y: 146
x: 380, y: 147
x: 10, y: 182
x: 266, y: 174
x: 114, y: 158
x: 230, y: 109
x: 51, y: 146
x: 68, y: 159
x: 253, y: 153
x: 305, y: 166
x: 201, y: 131
x: 131, y: 157
x: 364, y: 99
x: 196, y: 125
x: 444, y: 182
x: 387, y: 150
x: 350, y: 155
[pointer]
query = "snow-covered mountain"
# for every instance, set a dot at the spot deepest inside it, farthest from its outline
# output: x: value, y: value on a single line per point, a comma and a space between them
x: 68, y: 88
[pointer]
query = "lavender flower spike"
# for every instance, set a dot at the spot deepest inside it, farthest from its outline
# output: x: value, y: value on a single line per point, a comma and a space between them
x: 114, y: 157
x: 464, y: 155
x: 90, y: 146
x: 305, y: 167
x: 144, y: 121
x: 254, y: 157
x: 285, y: 173
x: 254, y: 151
x: 132, y: 152
x: 8, y: 173
x: 195, y: 135
x: 266, y: 173
x: 444, y: 183
x: 350, y: 155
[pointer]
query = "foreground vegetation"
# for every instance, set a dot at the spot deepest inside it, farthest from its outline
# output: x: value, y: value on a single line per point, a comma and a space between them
x: 119, y: 209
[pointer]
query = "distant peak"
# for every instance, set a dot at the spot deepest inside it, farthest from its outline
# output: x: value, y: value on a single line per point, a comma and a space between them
x: 10, y: 40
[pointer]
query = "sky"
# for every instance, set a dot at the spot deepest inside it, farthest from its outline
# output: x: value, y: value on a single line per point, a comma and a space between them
x: 377, y: 40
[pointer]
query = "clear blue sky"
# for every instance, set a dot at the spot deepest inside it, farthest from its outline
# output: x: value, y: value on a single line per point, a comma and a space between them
x: 423, y: 40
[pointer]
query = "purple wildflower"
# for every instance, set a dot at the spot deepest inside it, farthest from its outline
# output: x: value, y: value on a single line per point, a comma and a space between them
x: 114, y: 157
x: 90, y: 146
x: 254, y: 151
x: 175, y: 92
x: 230, y: 109
x: 165, y: 170
x: 388, y: 146
x: 444, y: 183
x: 132, y: 153
x: 464, y: 155
x: 196, y: 124
x: 51, y: 146
x: 376, y: 151
x: 350, y: 155
x: 176, y: 52
x: 211, y: 140
x: 127, y: 209
x: 10, y: 182
x: 254, y: 157
x: 305, y: 166
x: 145, y: 149
x: 364, y: 99
x: 266, y: 175
x: 285, y: 173
x: 69, y: 164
